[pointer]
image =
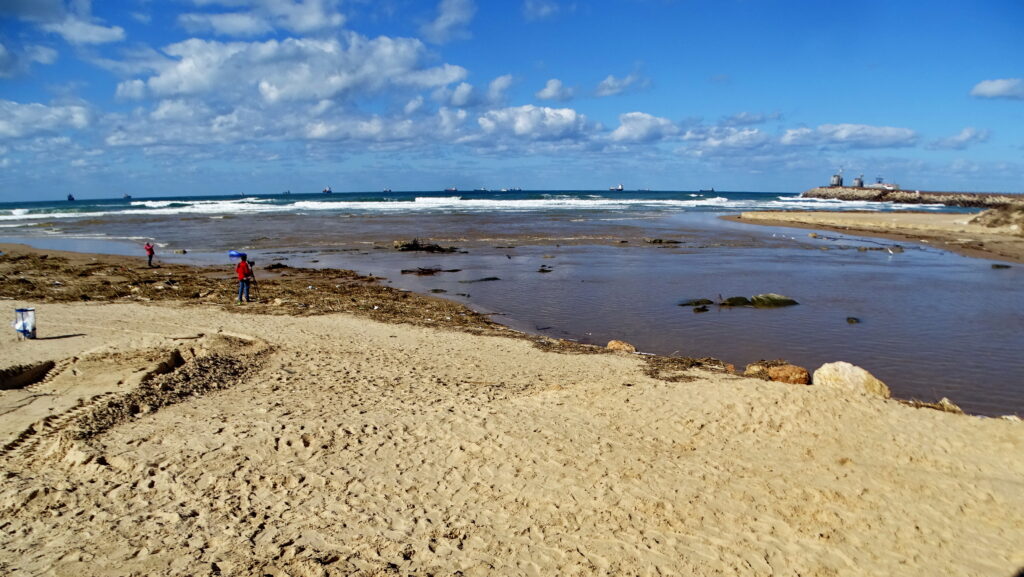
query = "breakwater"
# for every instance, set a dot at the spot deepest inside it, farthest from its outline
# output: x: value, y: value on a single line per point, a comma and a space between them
x: 964, y: 199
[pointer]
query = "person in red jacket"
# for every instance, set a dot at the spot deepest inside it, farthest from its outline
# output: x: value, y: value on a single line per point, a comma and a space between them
x: 149, y: 253
x: 245, y: 278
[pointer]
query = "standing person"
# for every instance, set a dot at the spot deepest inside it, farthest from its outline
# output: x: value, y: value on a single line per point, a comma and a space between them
x: 245, y: 277
x: 149, y: 253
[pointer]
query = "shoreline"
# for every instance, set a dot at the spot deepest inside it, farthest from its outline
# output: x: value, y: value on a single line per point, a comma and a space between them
x: 942, y: 231
x: 278, y: 439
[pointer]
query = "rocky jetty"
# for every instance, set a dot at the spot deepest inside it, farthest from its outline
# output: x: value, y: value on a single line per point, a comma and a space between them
x: 965, y: 199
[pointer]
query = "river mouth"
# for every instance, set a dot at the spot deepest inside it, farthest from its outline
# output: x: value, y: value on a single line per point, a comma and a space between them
x: 932, y: 324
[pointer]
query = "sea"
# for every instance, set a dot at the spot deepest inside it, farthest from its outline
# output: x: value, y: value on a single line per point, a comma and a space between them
x: 593, y: 266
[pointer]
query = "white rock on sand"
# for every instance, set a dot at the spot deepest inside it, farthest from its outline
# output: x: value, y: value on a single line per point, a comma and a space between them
x: 360, y: 448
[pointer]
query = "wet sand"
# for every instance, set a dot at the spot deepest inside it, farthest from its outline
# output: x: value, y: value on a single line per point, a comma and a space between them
x: 181, y: 435
x: 953, y: 232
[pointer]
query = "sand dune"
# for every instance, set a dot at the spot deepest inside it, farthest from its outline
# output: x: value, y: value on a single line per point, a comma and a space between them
x: 334, y: 445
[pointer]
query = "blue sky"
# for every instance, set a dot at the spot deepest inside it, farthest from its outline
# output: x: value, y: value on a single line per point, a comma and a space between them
x: 179, y: 97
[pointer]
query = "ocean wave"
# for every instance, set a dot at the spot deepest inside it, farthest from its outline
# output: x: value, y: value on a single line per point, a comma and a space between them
x: 557, y: 202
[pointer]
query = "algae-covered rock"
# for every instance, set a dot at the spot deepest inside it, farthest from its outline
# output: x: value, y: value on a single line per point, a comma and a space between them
x: 735, y: 302
x: 696, y: 303
x: 771, y: 300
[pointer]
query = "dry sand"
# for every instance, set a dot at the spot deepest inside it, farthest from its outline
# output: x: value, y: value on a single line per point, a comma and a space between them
x: 339, y: 445
x: 954, y: 232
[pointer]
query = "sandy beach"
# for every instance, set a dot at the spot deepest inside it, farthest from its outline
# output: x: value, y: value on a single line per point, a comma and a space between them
x: 953, y: 232
x: 357, y: 430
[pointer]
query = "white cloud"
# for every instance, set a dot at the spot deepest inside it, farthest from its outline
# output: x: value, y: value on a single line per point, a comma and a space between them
x: 263, y: 16
x: 373, y: 128
x: 413, y: 105
x: 727, y: 138
x: 1012, y: 88
x: 296, y: 69
x: 14, y: 61
x: 555, y: 90
x: 496, y: 89
x: 131, y: 90
x: 747, y: 119
x: 612, y: 85
x: 79, y: 31
x: 962, y: 140
x: 450, y: 120
x: 534, y: 123
x: 230, y: 24
x: 462, y: 95
x: 20, y: 120
x: 540, y: 9
x: 850, y: 135
x: 643, y: 127
x: 452, y: 18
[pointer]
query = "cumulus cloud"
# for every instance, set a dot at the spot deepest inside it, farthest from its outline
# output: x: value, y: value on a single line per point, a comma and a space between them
x: 748, y: 119
x: 131, y: 90
x: 1012, y: 88
x: 540, y: 9
x: 263, y: 16
x: 413, y: 105
x: 612, y: 85
x: 462, y: 95
x: 555, y: 90
x: 496, y: 89
x: 851, y: 136
x: 724, y: 139
x: 643, y: 127
x: 452, y: 18
x: 14, y: 62
x: 73, y: 21
x: 534, y: 123
x: 962, y: 140
x: 231, y: 24
x: 296, y: 69
x: 78, y: 31
x: 21, y: 120
x: 449, y: 121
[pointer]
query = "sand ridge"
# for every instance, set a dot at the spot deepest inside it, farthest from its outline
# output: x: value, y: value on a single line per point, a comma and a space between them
x: 361, y: 448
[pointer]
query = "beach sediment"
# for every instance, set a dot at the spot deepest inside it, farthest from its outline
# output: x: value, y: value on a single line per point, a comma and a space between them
x: 354, y: 446
x: 959, y: 233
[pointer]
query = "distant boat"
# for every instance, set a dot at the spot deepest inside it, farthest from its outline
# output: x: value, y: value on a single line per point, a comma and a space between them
x: 287, y: 192
x: 708, y: 190
x: 126, y: 196
x: 618, y: 188
x: 71, y: 198
x: 480, y: 190
x: 387, y: 190
x: 327, y: 190
x: 452, y: 189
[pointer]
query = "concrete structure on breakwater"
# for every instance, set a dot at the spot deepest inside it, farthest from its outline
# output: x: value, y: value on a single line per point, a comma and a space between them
x: 893, y: 194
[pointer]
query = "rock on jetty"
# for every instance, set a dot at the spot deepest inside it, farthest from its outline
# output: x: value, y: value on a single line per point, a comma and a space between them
x: 966, y: 199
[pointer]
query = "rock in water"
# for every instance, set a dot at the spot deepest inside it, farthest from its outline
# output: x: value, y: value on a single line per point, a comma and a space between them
x: 851, y: 378
x: 771, y: 300
x: 696, y: 302
x: 852, y: 320
x: 735, y: 302
x: 621, y: 346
